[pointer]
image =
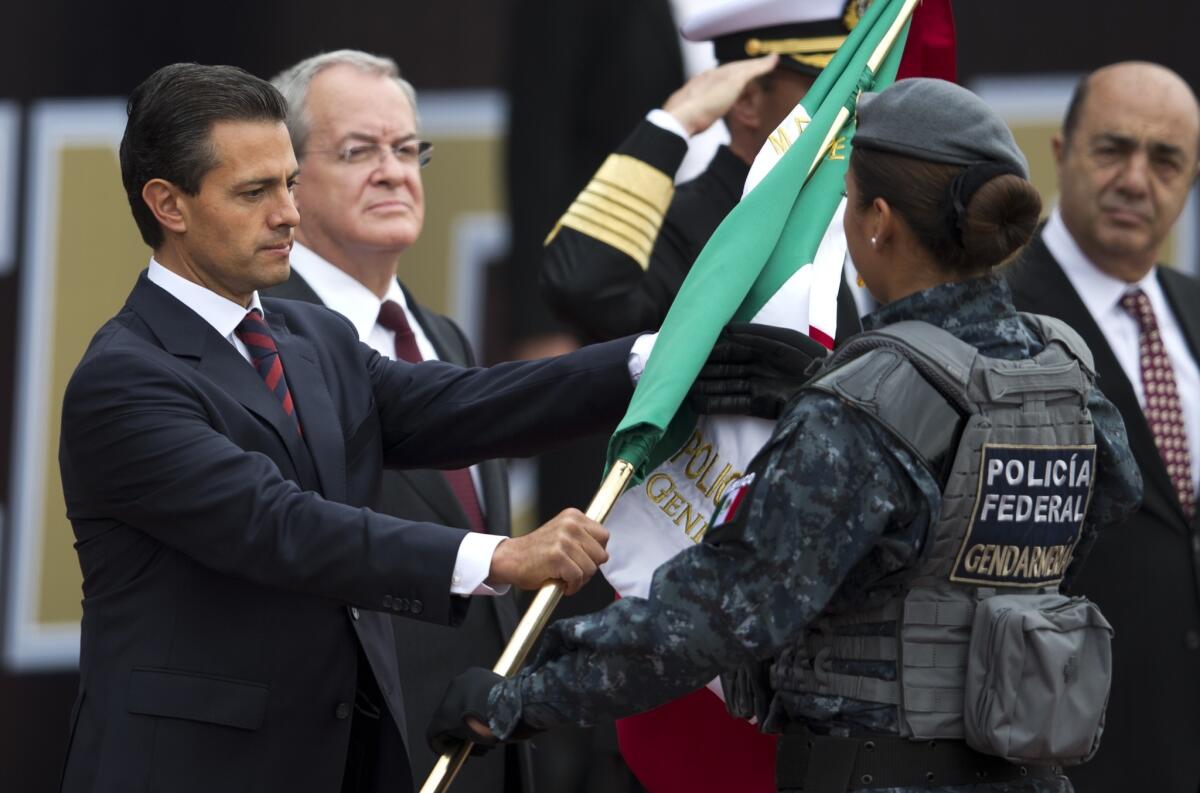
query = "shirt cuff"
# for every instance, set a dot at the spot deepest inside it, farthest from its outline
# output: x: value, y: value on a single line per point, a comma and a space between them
x: 664, y: 120
x: 473, y: 563
x: 639, y: 354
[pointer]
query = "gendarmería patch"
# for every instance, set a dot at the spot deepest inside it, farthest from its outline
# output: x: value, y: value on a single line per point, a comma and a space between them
x: 1028, y: 515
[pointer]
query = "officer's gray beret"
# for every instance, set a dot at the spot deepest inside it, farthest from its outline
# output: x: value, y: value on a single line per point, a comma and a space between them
x: 938, y: 121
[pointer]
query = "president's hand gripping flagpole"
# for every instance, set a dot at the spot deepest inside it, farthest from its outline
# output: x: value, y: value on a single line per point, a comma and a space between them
x: 622, y: 471
x: 531, y: 624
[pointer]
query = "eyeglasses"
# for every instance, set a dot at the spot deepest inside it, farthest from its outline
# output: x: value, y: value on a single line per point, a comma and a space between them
x: 413, y: 152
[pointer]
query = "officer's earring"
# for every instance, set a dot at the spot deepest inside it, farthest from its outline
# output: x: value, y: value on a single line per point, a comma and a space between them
x: 873, y: 245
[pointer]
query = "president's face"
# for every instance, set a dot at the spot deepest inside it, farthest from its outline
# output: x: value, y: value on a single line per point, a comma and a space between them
x: 238, y: 227
x: 369, y: 206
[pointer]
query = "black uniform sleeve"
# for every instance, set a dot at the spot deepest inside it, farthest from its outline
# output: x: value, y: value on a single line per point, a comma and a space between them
x: 615, y: 260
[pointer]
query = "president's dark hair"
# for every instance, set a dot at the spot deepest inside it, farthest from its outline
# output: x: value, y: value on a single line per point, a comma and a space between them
x: 171, y: 116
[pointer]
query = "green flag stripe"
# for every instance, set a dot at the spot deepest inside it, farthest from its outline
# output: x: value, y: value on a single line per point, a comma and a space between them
x: 773, y: 231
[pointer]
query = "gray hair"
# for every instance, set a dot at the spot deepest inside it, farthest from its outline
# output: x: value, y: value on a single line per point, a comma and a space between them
x: 293, y: 83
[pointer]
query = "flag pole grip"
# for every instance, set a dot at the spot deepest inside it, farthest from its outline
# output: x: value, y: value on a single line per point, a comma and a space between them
x: 531, y: 624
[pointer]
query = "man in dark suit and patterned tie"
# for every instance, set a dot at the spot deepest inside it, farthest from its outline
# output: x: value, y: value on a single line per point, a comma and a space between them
x: 219, y: 456
x: 353, y: 124
x: 1127, y: 158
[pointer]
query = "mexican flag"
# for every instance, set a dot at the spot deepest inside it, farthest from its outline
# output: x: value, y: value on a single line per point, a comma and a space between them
x: 776, y: 259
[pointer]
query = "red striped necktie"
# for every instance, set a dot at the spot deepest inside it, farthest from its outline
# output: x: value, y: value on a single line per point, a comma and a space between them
x: 392, y: 317
x: 255, y: 334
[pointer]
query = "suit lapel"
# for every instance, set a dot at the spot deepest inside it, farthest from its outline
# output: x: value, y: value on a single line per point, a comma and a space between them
x: 322, y: 435
x: 1184, y: 296
x: 1185, y: 306
x: 1046, y: 290
x: 185, y: 334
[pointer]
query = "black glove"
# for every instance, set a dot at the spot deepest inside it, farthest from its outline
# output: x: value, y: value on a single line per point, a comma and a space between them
x: 755, y: 370
x: 467, y: 695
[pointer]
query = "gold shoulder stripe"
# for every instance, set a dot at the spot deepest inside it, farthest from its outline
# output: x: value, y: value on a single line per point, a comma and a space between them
x: 603, y: 191
x: 637, y: 224
x: 639, y: 179
x: 609, y: 237
x: 623, y: 207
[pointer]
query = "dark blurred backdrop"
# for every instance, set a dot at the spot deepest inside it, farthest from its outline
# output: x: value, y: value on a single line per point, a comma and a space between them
x: 53, y: 48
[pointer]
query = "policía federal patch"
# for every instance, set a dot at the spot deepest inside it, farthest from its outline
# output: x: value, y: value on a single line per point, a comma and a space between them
x: 733, y: 500
x: 1029, y: 509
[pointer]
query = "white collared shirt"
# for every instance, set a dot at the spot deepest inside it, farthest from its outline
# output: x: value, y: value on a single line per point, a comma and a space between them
x: 220, y: 312
x: 474, y: 559
x: 1102, y: 294
x: 347, y: 296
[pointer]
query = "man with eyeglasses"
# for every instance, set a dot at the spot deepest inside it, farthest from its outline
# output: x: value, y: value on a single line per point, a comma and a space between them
x: 354, y: 127
x: 221, y: 456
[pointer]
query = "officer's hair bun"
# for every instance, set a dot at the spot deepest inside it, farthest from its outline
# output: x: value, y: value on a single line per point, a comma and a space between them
x: 999, y: 215
x: 1000, y: 218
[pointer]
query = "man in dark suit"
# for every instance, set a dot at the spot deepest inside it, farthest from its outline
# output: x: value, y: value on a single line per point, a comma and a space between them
x: 1127, y: 157
x: 346, y: 257
x: 218, y: 454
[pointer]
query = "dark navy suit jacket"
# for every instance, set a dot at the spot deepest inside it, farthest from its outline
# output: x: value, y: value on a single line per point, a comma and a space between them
x: 1144, y: 573
x: 230, y: 566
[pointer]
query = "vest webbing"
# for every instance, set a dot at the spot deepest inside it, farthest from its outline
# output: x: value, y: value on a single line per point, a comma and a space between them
x: 943, y: 401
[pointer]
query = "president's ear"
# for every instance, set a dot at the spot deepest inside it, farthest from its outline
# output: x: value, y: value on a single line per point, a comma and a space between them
x: 165, y: 201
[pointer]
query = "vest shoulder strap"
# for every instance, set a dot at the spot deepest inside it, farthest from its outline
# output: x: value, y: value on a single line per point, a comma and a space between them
x: 912, y: 378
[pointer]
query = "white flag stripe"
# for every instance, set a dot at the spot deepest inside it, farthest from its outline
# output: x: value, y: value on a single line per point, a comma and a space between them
x: 770, y: 153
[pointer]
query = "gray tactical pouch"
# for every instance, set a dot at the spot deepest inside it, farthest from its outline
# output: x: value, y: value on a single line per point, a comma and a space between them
x: 1039, y: 669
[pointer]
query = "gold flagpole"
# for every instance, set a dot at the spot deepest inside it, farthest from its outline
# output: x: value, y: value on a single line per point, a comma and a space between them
x: 535, y: 619
x: 881, y: 51
x: 531, y: 625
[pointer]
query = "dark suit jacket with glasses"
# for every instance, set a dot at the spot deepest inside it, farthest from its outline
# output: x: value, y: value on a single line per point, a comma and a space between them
x: 231, y: 569
x: 431, y: 655
x: 1144, y: 574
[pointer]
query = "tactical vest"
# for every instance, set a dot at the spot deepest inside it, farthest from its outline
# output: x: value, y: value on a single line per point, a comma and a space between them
x: 1012, y: 444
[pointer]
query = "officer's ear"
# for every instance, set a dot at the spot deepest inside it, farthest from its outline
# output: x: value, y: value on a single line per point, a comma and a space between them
x: 746, y: 117
x: 881, y: 223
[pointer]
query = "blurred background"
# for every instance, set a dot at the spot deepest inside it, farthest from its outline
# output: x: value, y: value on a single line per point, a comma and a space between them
x: 522, y: 98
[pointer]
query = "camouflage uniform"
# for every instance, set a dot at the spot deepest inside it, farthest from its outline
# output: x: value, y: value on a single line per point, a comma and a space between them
x: 837, y: 508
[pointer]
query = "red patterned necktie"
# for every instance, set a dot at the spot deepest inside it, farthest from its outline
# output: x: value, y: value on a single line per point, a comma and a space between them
x: 1163, y: 409
x: 392, y: 317
x: 256, y: 335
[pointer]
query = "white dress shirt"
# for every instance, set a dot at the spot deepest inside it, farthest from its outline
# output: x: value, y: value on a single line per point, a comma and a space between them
x: 1102, y: 294
x: 474, y: 559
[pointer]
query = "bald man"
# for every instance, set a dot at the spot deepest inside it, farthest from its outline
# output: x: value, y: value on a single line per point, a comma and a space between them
x: 1127, y: 157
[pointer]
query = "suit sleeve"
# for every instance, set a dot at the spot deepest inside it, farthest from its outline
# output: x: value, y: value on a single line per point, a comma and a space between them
x: 439, y: 415
x: 617, y: 257
x: 1117, y: 492
x: 139, y: 447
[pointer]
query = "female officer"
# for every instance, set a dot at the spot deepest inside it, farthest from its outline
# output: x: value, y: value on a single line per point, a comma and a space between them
x: 956, y: 453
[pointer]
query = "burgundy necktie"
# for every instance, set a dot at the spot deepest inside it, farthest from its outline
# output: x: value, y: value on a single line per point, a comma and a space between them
x: 256, y: 335
x: 1163, y: 409
x: 392, y: 317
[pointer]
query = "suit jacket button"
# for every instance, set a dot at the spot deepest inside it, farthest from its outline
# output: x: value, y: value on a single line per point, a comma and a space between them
x: 353, y: 613
x: 402, y: 604
x: 416, y: 607
x: 343, y: 711
x: 387, y: 601
x: 1191, y: 639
